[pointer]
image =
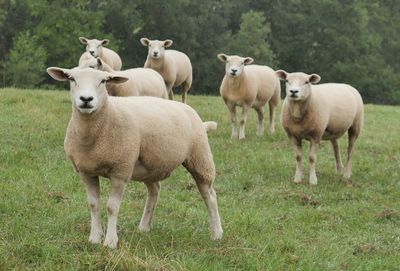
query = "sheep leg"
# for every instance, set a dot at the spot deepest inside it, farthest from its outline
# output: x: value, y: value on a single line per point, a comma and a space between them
x: 113, y: 204
x: 336, y: 149
x: 298, y: 151
x: 313, y: 159
x: 271, y: 117
x: 93, y: 194
x: 170, y: 93
x: 153, y: 190
x: 210, y: 198
x: 186, y: 87
x: 232, y: 110
x: 243, y: 121
x: 347, y: 171
x: 260, y: 113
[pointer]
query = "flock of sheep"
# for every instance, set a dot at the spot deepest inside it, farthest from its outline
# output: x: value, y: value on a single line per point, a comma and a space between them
x: 159, y: 134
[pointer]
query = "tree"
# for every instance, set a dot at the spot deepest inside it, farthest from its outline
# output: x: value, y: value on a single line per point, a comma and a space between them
x: 27, y: 62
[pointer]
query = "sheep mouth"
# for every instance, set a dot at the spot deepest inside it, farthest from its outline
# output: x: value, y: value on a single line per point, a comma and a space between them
x: 86, y: 106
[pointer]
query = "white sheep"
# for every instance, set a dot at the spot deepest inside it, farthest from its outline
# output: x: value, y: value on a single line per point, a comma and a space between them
x: 320, y: 112
x: 174, y: 66
x: 249, y: 86
x: 95, y: 48
x: 142, y: 81
x: 133, y: 138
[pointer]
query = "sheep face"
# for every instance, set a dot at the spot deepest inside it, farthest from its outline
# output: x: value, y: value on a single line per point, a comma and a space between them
x: 234, y: 65
x: 156, y: 47
x: 87, y: 86
x: 94, y: 46
x: 298, y: 84
x: 93, y: 63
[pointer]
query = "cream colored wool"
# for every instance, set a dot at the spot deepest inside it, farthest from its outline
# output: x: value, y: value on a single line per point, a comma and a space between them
x: 249, y: 86
x: 320, y: 112
x: 174, y: 66
x: 95, y: 48
x: 132, y: 138
x: 142, y: 81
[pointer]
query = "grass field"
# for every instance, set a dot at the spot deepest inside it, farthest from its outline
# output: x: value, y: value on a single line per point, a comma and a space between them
x: 269, y: 222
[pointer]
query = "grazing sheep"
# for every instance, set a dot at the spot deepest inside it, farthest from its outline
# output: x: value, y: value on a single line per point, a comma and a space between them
x: 142, y: 81
x: 249, y: 86
x: 174, y: 66
x: 95, y: 48
x: 133, y: 138
x: 320, y: 112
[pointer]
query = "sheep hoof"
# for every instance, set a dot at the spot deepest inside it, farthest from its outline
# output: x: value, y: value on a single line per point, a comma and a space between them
x: 313, y: 181
x: 95, y: 238
x: 217, y: 235
x: 297, y: 179
x: 144, y: 228
x: 111, y: 242
x: 260, y: 133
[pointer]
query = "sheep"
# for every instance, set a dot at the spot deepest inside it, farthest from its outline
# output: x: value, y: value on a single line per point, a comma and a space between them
x: 320, y: 112
x: 174, y: 66
x: 142, y: 81
x: 249, y: 86
x: 96, y: 48
x: 133, y: 138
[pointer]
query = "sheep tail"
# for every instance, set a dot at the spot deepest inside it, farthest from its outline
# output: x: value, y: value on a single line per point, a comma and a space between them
x: 210, y: 126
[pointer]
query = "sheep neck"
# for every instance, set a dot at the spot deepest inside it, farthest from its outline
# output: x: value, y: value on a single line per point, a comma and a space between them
x: 107, y: 68
x: 298, y: 109
x: 156, y: 63
x: 88, y: 127
x: 235, y: 82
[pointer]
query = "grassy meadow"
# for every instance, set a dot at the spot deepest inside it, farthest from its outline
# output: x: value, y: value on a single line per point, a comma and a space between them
x: 269, y: 222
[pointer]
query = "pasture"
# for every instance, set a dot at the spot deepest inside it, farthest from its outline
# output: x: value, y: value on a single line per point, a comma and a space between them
x: 269, y: 222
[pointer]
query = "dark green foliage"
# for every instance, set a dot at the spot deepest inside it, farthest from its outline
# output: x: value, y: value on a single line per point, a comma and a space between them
x: 347, y: 41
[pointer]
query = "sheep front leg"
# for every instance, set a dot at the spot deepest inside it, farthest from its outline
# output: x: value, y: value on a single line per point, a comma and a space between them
x: 298, y: 151
x: 153, y: 190
x: 113, y: 204
x: 313, y: 159
x: 170, y: 93
x: 93, y: 194
x: 243, y: 121
x: 232, y: 110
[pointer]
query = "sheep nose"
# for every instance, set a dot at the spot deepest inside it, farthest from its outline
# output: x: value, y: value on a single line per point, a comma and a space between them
x: 293, y: 91
x: 234, y: 71
x: 155, y: 53
x: 91, y: 52
x: 86, y: 99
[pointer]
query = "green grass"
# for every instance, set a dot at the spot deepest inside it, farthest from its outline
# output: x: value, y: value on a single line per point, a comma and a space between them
x: 269, y: 222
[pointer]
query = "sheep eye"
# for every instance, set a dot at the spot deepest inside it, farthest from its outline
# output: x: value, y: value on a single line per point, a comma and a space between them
x: 103, y: 81
x: 71, y: 79
x: 286, y: 81
x: 307, y: 82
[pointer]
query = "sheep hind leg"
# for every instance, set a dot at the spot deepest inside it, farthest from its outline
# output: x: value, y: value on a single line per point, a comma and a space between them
x: 204, y: 182
x: 350, y: 150
x: 93, y: 194
x: 260, y: 113
x: 186, y: 87
x: 153, y: 190
x: 336, y: 150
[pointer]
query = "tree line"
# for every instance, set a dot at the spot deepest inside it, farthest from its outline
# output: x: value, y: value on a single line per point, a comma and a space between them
x: 350, y: 41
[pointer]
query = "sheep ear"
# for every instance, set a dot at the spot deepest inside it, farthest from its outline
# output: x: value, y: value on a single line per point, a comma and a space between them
x: 314, y: 78
x: 59, y: 74
x: 248, y: 60
x: 281, y: 74
x: 83, y: 40
x: 168, y: 43
x: 117, y: 79
x: 222, y: 57
x: 105, y: 42
x: 145, y: 41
